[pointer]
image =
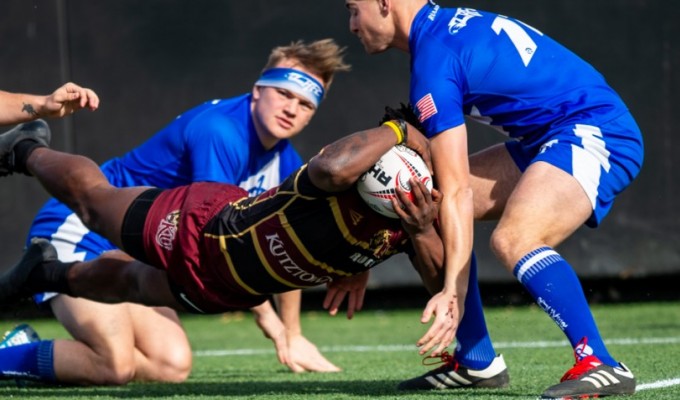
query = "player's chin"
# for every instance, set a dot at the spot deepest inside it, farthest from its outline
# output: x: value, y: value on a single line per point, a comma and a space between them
x: 285, y: 133
x: 373, y: 48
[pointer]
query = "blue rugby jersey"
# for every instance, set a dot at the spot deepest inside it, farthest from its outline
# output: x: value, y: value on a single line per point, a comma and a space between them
x: 502, y: 72
x: 215, y: 141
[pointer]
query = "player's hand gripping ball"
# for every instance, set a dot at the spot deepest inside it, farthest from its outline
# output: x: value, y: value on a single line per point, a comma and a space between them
x: 394, y: 169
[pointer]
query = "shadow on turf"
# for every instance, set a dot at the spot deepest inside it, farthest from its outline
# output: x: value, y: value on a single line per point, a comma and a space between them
x: 250, y: 388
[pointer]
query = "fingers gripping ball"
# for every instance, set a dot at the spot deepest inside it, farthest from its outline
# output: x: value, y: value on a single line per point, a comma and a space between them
x: 394, y: 169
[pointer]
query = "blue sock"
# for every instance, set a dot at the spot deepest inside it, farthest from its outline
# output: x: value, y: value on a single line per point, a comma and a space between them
x: 553, y: 284
x: 474, y: 349
x: 29, y: 361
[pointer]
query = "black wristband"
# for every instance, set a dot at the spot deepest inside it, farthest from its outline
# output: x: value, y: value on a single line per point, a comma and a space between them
x: 404, y: 130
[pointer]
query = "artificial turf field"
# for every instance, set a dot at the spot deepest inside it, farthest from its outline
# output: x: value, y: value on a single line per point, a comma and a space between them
x: 376, y: 350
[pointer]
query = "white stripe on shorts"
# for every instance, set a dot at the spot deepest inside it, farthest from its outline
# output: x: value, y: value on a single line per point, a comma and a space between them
x: 588, y: 161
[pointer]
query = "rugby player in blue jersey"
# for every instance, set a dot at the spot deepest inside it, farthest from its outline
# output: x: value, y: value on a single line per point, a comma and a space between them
x: 16, y: 108
x: 573, y: 147
x: 243, y: 141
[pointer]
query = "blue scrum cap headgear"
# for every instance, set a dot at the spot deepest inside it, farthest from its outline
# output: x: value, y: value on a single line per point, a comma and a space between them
x: 294, y: 80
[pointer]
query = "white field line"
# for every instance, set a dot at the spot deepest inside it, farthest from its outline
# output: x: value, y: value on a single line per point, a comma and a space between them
x: 410, y: 347
x: 499, y: 345
x: 658, y: 384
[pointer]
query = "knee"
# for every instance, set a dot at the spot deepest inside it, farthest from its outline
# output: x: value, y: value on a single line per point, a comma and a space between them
x: 89, y: 216
x: 174, y: 365
x: 503, y: 243
x: 90, y: 206
x: 112, y: 372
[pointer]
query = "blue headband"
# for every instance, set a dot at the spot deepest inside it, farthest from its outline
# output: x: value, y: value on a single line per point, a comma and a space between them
x: 294, y: 80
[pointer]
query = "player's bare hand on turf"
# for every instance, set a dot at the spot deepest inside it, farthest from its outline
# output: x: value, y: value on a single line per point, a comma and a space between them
x: 68, y: 99
x: 272, y: 327
x: 354, y: 286
x: 305, y: 356
x: 445, y: 309
x: 418, y: 211
x: 418, y: 142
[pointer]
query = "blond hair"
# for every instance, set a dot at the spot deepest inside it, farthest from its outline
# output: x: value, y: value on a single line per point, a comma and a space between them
x: 322, y: 57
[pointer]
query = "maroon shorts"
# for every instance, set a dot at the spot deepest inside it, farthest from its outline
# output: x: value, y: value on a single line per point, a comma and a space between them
x: 171, y: 238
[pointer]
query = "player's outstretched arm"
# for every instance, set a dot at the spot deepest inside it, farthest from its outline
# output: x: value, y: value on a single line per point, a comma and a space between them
x: 456, y: 213
x: 271, y: 326
x: 340, y: 164
x: 18, y: 107
x: 304, y: 355
x: 292, y: 349
x: 418, y: 214
x: 68, y: 99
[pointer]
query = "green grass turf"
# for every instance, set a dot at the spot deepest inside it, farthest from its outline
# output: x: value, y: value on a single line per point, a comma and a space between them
x: 374, y: 373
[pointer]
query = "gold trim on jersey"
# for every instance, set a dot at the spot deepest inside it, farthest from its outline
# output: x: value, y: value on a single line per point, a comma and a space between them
x: 272, y: 273
x: 232, y: 269
x: 253, y: 226
x: 257, y: 201
x: 252, y: 230
x: 340, y: 221
x: 303, y: 250
x: 295, y: 194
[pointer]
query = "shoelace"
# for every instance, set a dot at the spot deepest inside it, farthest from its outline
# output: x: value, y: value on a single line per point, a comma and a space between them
x: 445, y: 358
x: 581, y: 365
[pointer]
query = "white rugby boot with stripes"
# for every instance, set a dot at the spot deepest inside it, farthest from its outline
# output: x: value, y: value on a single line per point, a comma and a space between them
x: 589, y: 378
x: 453, y: 375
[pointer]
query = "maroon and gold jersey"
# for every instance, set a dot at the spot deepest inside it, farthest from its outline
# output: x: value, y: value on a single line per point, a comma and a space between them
x: 225, y: 250
x: 297, y: 236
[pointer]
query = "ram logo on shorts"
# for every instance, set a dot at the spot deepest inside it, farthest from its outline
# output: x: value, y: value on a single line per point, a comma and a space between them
x: 167, y: 230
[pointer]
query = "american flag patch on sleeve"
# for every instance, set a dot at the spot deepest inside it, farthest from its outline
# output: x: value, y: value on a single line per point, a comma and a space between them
x: 426, y: 107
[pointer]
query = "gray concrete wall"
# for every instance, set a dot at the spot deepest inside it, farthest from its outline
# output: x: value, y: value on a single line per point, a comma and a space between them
x: 150, y: 60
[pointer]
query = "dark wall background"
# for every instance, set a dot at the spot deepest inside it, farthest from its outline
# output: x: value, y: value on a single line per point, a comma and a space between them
x: 150, y: 60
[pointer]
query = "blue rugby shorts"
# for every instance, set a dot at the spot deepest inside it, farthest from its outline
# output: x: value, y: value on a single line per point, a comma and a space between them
x: 603, y: 157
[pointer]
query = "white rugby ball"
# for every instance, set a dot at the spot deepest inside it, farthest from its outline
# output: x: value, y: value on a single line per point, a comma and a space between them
x: 394, y: 169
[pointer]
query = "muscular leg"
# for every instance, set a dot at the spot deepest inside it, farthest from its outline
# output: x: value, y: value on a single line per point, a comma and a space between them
x: 168, y: 359
x: 493, y: 177
x: 114, y: 277
x: 78, y: 182
x: 114, y: 344
x: 546, y: 207
x: 475, y: 349
x: 541, y: 207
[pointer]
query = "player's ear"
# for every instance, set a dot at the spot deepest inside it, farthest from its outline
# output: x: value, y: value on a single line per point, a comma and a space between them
x: 384, y: 5
x: 256, y: 92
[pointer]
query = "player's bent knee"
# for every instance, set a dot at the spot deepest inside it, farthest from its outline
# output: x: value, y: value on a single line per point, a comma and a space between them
x: 175, y: 366
x: 115, y: 374
x: 89, y: 217
x: 176, y: 375
x: 504, y: 245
